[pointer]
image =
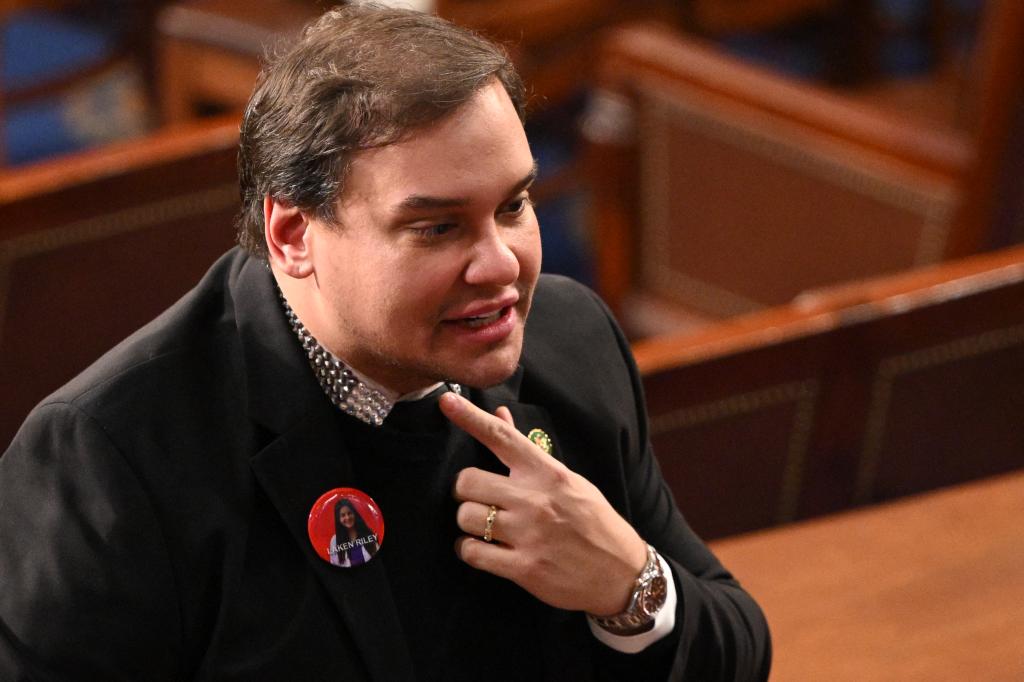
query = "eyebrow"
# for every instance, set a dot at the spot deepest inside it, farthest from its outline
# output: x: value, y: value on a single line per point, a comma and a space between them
x: 419, y: 201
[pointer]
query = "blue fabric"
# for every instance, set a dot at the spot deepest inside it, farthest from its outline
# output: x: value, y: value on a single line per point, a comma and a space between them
x: 796, y: 49
x: 566, y: 248
x: 797, y: 55
x: 37, y: 130
x: 563, y: 231
x: 40, y: 46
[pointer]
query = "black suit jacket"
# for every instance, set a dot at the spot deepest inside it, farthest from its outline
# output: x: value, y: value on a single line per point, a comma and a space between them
x: 153, y: 512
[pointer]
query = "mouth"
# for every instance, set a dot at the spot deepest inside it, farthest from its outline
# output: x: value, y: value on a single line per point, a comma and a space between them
x: 478, y: 321
x: 472, y: 323
x: 485, y: 326
x: 483, y: 313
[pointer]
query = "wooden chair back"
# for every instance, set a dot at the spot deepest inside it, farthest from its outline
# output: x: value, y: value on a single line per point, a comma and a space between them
x: 721, y: 188
x: 97, y: 244
x: 864, y: 393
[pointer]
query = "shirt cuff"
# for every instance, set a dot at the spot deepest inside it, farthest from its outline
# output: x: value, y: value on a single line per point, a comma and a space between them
x: 664, y: 622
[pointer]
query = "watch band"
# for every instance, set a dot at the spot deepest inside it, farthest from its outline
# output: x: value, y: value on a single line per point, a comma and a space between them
x: 648, y: 597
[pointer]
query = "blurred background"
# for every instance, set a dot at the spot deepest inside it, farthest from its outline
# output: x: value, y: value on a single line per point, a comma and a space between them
x: 78, y: 74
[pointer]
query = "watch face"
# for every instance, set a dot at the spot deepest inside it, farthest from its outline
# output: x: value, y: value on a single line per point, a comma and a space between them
x: 653, y: 597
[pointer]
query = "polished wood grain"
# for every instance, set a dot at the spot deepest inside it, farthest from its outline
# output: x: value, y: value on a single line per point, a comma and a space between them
x: 924, y: 589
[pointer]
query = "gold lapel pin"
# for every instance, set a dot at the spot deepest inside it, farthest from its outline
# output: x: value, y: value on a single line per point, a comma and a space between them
x: 541, y: 440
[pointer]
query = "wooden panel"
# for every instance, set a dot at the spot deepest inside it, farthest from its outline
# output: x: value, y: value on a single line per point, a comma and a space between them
x: 771, y: 209
x: 720, y: 187
x: 767, y: 432
x: 946, y: 403
x: 738, y: 426
x: 85, y: 262
x: 929, y: 588
x: 856, y: 395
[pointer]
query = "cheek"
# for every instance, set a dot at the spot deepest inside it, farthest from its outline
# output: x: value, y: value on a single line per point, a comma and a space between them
x: 424, y: 284
x: 528, y: 250
x: 367, y: 291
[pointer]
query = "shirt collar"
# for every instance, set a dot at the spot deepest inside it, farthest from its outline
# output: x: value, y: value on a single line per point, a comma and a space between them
x: 350, y: 391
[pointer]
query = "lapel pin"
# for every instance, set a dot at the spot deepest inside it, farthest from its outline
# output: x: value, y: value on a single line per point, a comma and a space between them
x: 346, y: 527
x: 541, y: 440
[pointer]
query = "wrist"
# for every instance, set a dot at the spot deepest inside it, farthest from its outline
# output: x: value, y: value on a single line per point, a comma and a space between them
x: 647, y: 596
x: 620, y: 580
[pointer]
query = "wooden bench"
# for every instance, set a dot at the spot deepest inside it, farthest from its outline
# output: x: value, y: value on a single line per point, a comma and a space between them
x: 926, y: 588
x: 859, y: 394
x: 94, y: 246
x: 719, y: 188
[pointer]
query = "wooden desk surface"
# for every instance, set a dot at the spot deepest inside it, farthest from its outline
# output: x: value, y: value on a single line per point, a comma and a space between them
x: 926, y: 588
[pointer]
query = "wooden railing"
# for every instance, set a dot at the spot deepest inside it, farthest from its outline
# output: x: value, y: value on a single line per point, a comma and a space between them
x: 854, y: 395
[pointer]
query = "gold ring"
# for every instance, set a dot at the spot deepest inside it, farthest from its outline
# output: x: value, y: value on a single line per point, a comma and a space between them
x: 492, y: 514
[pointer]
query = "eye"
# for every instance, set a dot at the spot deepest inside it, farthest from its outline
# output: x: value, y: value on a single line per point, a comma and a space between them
x: 517, y: 206
x: 434, y: 231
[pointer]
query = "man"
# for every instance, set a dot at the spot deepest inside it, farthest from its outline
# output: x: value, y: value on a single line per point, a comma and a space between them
x: 166, y: 515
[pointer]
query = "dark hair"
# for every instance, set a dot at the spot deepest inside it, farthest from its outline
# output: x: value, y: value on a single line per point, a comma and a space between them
x: 362, y: 530
x: 361, y: 76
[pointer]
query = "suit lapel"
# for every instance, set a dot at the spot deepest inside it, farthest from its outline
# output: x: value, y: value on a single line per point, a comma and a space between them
x: 560, y: 627
x: 527, y: 416
x: 307, y: 458
x: 294, y: 471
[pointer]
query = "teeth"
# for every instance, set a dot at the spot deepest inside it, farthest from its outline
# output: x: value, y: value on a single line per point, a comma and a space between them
x: 482, y: 320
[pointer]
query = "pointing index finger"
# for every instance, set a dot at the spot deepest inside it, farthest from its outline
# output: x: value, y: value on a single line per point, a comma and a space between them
x: 497, y: 433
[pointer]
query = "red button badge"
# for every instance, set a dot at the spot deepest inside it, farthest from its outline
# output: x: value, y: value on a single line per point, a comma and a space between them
x: 346, y: 527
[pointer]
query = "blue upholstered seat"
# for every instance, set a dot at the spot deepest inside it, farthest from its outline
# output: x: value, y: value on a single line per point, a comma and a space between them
x: 40, y: 48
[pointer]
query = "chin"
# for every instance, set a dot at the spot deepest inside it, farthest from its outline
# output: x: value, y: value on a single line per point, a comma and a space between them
x: 483, y: 381
x: 488, y: 371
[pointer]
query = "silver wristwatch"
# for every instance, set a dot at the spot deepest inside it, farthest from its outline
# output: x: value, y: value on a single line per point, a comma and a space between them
x: 648, y: 597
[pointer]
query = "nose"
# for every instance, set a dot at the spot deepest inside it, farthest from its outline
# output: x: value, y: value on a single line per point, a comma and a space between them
x: 492, y: 260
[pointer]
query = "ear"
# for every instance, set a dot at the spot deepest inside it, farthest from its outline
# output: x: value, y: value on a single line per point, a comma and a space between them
x: 286, y: 229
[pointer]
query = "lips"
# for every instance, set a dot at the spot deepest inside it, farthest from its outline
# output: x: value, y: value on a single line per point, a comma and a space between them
x: 485, y: 323
x: 482, y: 320
x: 475, y: 324
x: 482, y: 313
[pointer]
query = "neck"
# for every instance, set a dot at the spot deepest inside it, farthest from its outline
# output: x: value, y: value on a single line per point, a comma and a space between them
x: 352, y: 392
x: 302, y: 299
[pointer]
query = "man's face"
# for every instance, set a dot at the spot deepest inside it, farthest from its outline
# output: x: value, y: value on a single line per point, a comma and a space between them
x: 431, y: 273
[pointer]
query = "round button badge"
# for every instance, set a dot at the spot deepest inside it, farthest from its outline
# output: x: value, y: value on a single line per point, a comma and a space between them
x: 346, y: 527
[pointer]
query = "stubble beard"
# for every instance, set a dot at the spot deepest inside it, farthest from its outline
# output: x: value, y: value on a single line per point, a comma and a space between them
x: 430, y: 370
x: 432, y: 367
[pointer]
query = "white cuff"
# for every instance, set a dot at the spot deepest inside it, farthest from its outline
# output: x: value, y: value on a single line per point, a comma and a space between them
x: 664, y: 622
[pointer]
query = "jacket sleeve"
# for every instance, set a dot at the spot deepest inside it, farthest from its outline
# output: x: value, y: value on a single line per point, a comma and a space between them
x: 81, y: 556
x: 720, y: 632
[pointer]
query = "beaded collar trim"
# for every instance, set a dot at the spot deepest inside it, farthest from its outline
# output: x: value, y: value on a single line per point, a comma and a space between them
x: 347, y: 393
x: 345, y: 390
